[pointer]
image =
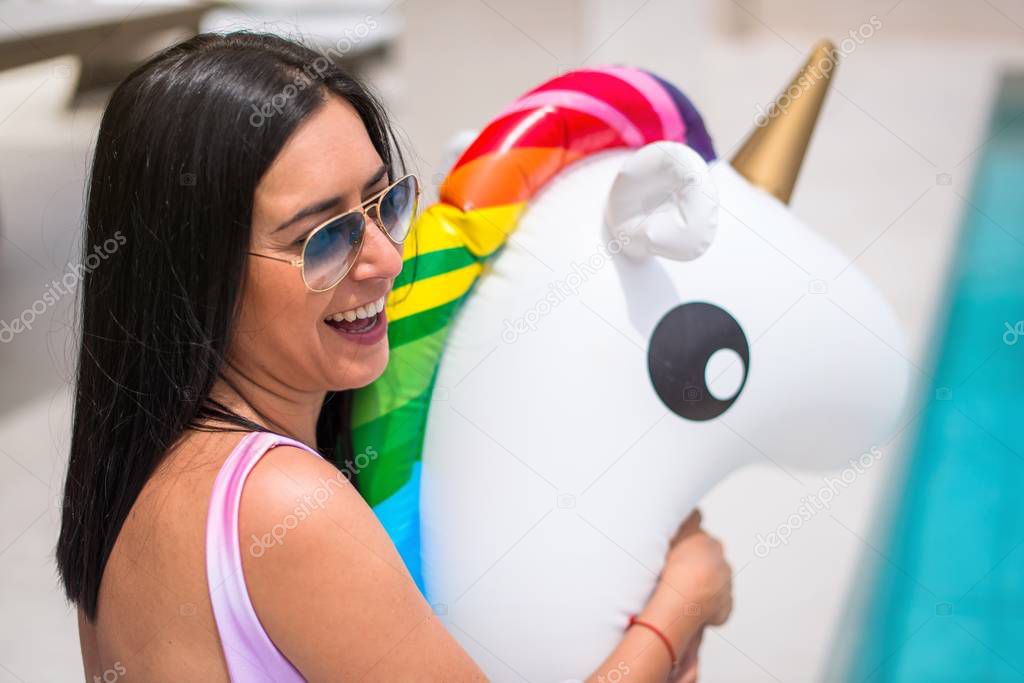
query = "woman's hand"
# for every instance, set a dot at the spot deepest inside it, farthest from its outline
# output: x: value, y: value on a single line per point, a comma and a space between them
x: 694, y: 590
x: 697, y: 573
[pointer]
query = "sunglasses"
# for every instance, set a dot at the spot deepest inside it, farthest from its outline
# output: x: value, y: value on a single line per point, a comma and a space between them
x: 332, y: 248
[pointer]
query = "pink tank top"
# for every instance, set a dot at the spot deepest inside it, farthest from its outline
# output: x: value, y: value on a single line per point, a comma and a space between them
x: 248, y: 650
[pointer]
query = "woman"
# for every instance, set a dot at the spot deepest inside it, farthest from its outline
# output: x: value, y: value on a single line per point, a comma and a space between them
x: 258, y: 204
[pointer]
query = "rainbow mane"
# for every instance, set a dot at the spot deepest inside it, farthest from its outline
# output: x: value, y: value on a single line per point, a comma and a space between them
x: 565, y: 119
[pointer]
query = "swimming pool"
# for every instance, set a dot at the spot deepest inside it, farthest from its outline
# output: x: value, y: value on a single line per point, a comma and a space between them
x: 948, y: 601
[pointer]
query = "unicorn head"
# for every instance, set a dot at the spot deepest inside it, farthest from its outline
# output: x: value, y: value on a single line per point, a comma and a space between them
x: 597, y: 322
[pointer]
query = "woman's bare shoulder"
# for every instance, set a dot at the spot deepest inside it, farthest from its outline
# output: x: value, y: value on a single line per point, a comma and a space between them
x: 322, y: 572
x: 290, y: 486
x: 154, y: 598
x: 173, y: 503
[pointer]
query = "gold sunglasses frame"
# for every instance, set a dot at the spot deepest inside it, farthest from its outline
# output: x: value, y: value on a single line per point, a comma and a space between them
x: 364, y: 209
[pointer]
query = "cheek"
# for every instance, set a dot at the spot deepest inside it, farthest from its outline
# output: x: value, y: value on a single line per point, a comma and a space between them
x: 276, y: 307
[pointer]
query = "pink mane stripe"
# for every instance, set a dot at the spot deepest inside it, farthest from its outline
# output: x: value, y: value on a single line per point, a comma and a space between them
x: 672, y: 125
x: 588, y: 104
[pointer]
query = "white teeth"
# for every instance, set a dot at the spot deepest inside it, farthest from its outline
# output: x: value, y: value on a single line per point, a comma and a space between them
x: 365, y: 311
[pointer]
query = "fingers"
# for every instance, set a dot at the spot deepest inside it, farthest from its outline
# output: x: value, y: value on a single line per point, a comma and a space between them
x: 688, y: 527
x: 724, y: 607
x: 696, y: 566
x: 719, y: 603
x: 693, y: 522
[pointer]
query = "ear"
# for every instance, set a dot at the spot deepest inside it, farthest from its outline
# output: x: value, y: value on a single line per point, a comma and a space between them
x: 663, y: 201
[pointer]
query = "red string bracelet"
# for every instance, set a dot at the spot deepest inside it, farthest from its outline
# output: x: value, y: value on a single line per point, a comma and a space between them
x: 656, y: 631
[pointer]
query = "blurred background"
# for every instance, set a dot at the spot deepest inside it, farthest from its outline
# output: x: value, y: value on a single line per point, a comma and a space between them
x: 915, y: 571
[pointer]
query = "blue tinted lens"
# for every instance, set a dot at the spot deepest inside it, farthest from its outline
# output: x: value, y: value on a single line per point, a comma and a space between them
x: 331, y: 251
x: 398, y: 208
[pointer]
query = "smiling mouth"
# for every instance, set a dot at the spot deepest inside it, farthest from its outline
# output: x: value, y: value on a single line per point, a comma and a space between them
x: 357, y: 326
x: 366, y: 311
x: 364, y: 331
x: 364, y: 324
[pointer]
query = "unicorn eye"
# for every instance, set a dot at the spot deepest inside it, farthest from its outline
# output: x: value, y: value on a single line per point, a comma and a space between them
x: 694, y: 344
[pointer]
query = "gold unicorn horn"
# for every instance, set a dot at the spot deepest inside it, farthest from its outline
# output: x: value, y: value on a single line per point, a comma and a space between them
x: 771, y: 157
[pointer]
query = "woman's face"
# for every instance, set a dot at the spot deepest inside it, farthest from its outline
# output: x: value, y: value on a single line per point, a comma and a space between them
x: 285, y: 334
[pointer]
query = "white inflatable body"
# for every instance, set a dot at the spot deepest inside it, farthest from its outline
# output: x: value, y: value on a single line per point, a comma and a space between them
x: 555, y: 469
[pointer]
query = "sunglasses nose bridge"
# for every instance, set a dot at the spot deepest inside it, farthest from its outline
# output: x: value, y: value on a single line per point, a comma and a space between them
x: 372, y: 215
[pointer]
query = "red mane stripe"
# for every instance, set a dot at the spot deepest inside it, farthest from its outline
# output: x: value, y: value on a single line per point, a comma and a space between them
x: 616, y: 92
x: 569, y: 117
x: 571, y: 130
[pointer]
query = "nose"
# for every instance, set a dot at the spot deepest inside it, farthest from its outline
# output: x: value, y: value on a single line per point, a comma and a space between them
x: 379, y: 257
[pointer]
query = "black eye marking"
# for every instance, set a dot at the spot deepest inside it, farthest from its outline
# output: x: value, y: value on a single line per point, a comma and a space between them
x: 682, y: 343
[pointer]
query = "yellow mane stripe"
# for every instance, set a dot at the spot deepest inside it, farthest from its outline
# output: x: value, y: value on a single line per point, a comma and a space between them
x: 444, y: 226
x: 432, y: 292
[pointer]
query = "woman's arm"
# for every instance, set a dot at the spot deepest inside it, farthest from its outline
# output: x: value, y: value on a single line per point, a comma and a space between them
x: 641, y: 655
x: 328, y: 585
x: 694, y: 590
x: 334, y: 595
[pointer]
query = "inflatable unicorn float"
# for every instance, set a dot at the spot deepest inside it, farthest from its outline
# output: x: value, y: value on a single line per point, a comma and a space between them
x: 596, y: 323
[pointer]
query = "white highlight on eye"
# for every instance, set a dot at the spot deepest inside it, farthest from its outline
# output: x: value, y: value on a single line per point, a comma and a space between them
x: 724, y: 374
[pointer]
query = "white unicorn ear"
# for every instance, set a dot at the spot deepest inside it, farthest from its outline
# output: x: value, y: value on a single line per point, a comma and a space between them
x: 663, y: 201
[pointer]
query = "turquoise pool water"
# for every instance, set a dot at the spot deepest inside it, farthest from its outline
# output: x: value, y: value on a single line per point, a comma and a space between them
x: 948, y: 603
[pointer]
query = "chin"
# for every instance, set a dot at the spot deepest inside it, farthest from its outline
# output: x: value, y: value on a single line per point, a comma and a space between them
x: 361, y: 371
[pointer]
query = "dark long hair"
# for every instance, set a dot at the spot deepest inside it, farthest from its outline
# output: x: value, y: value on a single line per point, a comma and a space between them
x: 182, y: 145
